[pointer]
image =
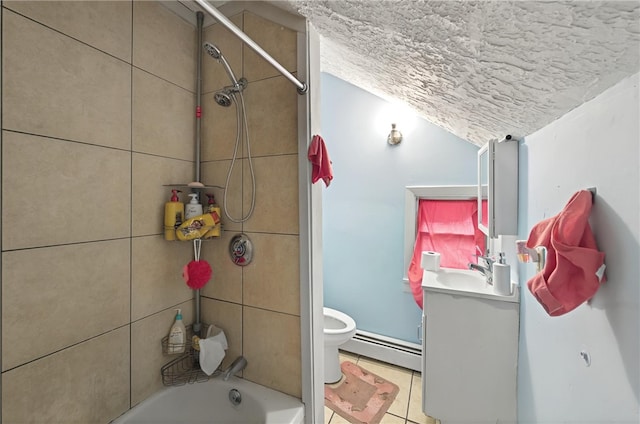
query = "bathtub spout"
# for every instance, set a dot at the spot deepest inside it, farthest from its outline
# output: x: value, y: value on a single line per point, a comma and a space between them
x: 236, y: 366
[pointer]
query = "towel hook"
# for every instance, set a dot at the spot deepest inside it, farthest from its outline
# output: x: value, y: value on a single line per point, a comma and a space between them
x: 593, y: 194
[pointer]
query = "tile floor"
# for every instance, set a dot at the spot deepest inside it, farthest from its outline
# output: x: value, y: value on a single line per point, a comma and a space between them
x: 406, y: 408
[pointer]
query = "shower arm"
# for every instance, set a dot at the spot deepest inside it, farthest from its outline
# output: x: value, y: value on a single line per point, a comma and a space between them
x: 302, y: 87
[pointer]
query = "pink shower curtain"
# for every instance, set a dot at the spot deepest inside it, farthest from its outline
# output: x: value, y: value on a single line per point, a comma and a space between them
x: 449, y: 227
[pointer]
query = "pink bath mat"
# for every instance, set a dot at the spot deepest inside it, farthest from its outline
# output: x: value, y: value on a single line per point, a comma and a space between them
x: 361, y: 397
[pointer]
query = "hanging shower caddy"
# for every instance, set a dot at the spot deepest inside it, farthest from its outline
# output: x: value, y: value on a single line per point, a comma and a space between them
x: 186, y: 367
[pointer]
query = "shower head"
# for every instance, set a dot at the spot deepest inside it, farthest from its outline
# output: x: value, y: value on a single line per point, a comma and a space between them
x: 215, y: 53
x: 223, y: 97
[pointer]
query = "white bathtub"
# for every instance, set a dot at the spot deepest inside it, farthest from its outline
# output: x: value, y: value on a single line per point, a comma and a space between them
x: 209, y: 402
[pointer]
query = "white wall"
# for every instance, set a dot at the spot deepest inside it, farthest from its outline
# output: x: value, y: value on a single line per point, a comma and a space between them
x: 595, y: 145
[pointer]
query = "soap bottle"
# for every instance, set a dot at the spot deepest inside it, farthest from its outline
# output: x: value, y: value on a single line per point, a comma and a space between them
x: 173, y: 215
x: 212, y: 206
x: 193, y: 208
x: 177, y: 335
x: 502, y: 276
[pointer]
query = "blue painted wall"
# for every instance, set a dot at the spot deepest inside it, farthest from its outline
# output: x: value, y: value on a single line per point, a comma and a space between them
x: 363, y: 208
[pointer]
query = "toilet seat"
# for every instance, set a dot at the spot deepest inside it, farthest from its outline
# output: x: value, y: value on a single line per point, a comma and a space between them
x: 337, y: 322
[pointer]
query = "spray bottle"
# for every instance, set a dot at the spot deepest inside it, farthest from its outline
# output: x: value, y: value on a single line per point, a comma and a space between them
x: 173, y: 215
x: 212, y: 206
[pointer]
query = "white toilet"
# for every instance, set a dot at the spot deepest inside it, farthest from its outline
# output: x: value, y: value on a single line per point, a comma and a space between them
x: 338, y: 329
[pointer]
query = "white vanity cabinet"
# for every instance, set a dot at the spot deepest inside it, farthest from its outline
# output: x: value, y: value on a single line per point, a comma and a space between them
x: 498, y: 177
x: 470, y: 357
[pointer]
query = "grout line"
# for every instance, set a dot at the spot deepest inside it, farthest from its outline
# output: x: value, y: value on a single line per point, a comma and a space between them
x: 131, y: 217
x: 1, y: 185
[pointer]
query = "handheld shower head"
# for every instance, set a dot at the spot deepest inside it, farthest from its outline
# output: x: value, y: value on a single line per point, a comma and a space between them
x: 215, y: 53
x: 213, y: 50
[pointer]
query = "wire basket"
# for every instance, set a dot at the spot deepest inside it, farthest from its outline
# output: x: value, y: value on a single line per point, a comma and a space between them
x: 182, y: 370
x: 186, y: 367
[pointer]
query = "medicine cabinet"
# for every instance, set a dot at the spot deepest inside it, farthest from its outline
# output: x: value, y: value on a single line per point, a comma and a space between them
x: 498, y: 178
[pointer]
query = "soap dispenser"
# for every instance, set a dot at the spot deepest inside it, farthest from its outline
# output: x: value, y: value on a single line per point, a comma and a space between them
x: 502, y: 276
x: 177, y: 335
x: 173, y: 215
x: 193, y: 208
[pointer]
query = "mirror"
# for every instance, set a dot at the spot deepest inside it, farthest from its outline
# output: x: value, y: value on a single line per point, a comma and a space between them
x: 483, y: 188
x: 498, y: 188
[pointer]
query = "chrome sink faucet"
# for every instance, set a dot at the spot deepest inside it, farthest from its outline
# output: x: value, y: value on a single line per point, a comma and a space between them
x: 487, y: 270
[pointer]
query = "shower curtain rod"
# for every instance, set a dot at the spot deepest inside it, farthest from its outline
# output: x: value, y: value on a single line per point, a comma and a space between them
x: 302, y: 87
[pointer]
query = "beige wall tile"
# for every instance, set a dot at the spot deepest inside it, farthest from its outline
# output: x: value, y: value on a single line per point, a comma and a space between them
x: 82, y: 192
x: 163, y: 118
x: 276, y: 209
x: 272, y: 107
x: 226, y: 277
x: 147, y: 357
x: 157, y: 282
x: 215, y: 174
x: 280, y: 42
x: 228, y: 317
x: 272, y: 280
x: 164, y: 44
x: 219, y: 130
x: 56, y: 86
x: 271, y: 344
x: 86, y: 383
x: 149, y: 175
x: 106, y: 25
x: 214, y: 76
x: 47, y: 292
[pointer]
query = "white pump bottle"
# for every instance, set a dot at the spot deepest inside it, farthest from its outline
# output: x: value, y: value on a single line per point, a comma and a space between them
x: 177, y: 335
x: 193, y: 208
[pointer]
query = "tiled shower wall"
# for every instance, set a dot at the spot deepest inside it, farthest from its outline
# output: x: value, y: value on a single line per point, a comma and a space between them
x: 97, y: 115
x: 257, y: 305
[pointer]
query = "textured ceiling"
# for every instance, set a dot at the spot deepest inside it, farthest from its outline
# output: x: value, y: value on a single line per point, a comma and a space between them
x: 479, y: 69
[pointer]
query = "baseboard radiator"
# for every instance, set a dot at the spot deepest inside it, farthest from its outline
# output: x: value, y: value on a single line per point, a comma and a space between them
x: 385, y: 349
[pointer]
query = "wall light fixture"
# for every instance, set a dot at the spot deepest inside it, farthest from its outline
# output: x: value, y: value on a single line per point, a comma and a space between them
x: 395, y: 136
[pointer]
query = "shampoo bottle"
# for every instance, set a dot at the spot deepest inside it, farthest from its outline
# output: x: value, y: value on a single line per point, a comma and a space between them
x: 173, y: 215
x: 177, y: 335
x: 193, y: 208
x: 502, y: 276
x: 213, y: 207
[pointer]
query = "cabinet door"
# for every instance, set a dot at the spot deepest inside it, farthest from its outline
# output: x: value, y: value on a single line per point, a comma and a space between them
x: 498, y: 184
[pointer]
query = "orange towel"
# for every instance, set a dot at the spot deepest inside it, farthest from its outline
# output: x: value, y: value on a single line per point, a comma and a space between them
x: 570, y: 276
x: 319, y: 158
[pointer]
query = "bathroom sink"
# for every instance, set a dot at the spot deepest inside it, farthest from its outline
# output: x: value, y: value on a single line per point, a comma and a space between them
x: 465, y: 283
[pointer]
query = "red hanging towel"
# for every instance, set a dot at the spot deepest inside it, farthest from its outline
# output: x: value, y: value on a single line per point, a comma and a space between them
x: 319, y: 158
x: 572, y: 271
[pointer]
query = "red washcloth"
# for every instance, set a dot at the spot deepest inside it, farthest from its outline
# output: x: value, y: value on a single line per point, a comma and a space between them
x: 569, y: 276
x: 319, y: 158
